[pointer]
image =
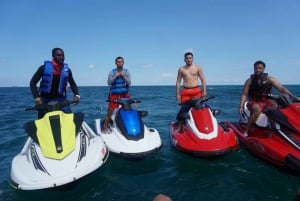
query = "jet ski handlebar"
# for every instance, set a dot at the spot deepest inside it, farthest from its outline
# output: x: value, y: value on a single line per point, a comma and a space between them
x: 196, y: 101
x: 51, y: 106
x: 272, y: 96
x: 283, y: 100
x: 124, y: 101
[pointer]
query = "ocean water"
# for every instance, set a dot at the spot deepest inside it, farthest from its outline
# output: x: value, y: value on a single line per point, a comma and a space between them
x: 237, y: 176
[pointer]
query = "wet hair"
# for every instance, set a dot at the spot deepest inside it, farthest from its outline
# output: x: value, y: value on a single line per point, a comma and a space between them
x: 260, y: 62
x: 188, y: 53
x: 118, y: 59
x: 55, y: 49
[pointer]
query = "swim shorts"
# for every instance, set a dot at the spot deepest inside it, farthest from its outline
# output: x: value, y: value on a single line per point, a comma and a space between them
x: 263, y: 104
x: 116, y: 96
x: 190, y: 93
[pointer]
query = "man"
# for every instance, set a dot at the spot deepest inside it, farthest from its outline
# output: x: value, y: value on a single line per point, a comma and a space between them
x: 162, y: 197
x: 258, y: 84
x: 55, y: 76
x: 119, y: 80
x: 190, y: 74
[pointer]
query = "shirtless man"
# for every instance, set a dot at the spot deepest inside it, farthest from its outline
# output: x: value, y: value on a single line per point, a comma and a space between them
x: 190, y: 74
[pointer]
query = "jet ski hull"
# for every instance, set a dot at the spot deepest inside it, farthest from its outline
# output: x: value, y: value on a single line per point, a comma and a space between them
x: 119, y: 145
x: 202, y: 136
x: 30, y: 170
x: 224, y: 143
x: 268, y: 145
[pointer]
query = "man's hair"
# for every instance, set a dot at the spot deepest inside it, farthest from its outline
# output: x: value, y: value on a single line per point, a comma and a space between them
x: 55, y: 49
x: 118, y: 59
x: 260, y: 62
x: 188, y: 53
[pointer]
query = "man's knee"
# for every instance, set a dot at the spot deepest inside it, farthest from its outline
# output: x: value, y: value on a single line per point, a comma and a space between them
x: 255, y: 108
x: 182, y: 115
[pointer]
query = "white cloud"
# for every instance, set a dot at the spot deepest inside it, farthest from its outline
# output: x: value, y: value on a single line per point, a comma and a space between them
x: 147, y: 66
x: 91, y: 66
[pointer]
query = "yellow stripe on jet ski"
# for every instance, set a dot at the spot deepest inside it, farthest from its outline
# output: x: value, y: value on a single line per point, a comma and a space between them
x: 45, y: 137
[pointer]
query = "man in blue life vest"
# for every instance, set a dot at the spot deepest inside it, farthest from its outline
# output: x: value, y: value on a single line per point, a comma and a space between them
x: 55, y: 76
x: 255, y: 86
x: 119, y: 81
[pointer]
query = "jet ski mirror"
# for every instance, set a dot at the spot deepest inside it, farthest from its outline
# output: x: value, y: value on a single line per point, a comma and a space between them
x: 142, y: 113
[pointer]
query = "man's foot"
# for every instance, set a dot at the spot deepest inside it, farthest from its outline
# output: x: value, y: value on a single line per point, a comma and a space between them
x: 180, y: 129
x: 106, y: 130
x: 175, y: 125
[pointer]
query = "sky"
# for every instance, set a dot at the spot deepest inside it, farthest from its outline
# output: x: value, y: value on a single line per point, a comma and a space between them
x: 225, y: 36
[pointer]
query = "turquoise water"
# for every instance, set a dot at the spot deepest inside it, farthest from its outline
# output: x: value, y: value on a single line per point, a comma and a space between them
x: 237, y: 176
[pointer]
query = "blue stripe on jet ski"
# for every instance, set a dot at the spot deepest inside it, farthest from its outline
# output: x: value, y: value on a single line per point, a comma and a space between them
x: 83, y: 145
x: 36, y: 161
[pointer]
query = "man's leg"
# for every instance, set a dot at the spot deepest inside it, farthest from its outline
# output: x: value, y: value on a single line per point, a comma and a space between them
x: 107, y: 119
x: 180, y: 127
x: 255, y: 112
x: 182, y: 116
x: 186, y: 95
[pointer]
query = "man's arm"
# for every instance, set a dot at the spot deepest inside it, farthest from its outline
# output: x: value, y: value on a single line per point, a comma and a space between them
x: 111, y: 78
x: 244, y: 95
x: 203, y: 81
x: 178, y: 81
x: 34, y: 80
x: 127, y: 78
x: 73, y: 84
x: 275, y: 83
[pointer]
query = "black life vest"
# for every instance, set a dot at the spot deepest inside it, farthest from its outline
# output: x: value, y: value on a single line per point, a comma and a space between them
x: 257, y: 89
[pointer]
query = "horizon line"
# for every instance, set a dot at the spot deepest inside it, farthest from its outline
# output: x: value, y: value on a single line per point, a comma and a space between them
x: 142, y: 85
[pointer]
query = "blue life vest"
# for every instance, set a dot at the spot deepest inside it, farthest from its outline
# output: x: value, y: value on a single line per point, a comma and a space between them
x: 119, y: 85
x: 45, y: 86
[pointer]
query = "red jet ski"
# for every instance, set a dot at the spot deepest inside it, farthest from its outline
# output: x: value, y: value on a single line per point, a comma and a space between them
x: 202, y: 136
x: 276, y: 135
